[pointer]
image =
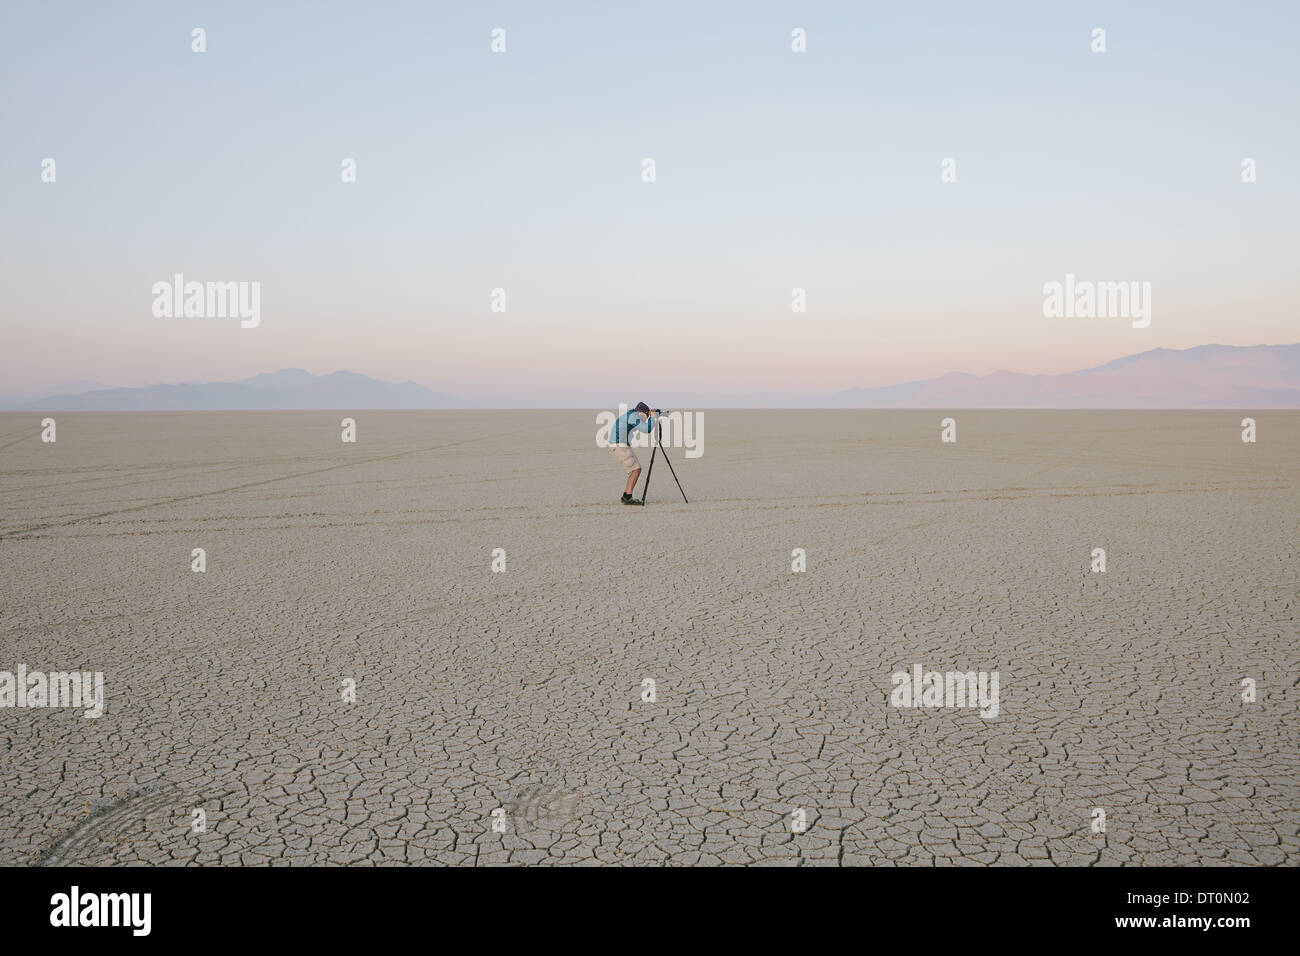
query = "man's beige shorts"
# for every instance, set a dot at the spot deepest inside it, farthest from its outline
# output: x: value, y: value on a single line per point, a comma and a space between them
x: 626, y: 457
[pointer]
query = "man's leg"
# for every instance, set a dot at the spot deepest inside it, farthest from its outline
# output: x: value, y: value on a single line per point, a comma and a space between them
x: 626, y: 457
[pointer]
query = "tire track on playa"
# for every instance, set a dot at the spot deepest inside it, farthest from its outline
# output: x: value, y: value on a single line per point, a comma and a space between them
x: 452, y: 516
x: 16, y: 441
x: 256, y: 484
x: 128, y: 819
x: 106, y: 827
x: 162, y: 473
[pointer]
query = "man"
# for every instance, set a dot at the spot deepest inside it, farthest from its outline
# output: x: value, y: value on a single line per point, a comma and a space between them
x: 641, y: 418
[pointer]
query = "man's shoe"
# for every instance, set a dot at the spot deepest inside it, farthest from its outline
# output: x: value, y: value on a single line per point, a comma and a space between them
x: 629, y: 500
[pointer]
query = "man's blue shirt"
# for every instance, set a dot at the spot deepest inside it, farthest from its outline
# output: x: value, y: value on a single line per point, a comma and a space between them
x: 618, y: 432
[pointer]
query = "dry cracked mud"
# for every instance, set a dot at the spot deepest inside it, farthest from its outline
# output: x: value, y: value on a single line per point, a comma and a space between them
x: 479, y: 691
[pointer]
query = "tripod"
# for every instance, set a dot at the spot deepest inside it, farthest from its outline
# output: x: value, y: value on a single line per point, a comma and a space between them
x: 645, y: 492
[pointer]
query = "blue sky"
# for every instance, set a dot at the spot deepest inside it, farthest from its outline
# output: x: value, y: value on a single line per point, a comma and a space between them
x: 522, y: 171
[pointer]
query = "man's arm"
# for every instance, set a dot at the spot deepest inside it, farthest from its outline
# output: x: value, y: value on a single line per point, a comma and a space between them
x: 645, y: 423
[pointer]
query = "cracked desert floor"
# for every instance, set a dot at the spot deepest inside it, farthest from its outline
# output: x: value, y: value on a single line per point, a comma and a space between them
x: 523, y: 691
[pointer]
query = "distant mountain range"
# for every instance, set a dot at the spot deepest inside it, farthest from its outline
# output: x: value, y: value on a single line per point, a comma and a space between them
x: 289, y: 388
x: 1208, y: 376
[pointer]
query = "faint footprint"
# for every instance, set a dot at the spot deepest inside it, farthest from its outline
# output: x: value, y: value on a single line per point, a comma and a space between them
x: 544, y: 807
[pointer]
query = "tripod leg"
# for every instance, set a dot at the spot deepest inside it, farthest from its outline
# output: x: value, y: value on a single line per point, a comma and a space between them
x: 674, y: 471
x: 649, y: 471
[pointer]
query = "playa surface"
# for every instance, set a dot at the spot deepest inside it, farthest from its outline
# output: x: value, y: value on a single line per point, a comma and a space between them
x: 523, y: 690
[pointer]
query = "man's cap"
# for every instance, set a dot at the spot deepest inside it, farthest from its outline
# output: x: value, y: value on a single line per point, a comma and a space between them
x: 643, y: 408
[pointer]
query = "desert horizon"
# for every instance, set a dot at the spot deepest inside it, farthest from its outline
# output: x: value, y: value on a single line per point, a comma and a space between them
x: 1207, y: 376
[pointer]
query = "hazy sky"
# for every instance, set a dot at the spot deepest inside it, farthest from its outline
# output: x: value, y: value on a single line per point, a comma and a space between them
x: 523, y: 170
